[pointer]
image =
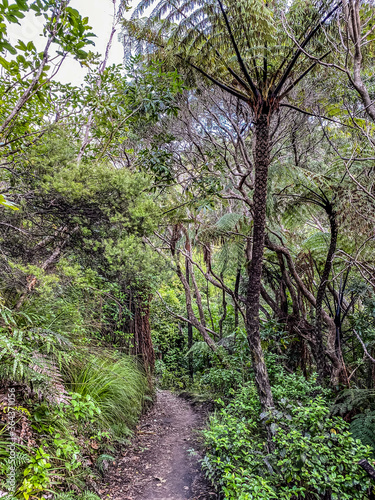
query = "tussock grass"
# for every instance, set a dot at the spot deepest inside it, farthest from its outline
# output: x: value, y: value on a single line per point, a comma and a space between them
x: 118, y: 386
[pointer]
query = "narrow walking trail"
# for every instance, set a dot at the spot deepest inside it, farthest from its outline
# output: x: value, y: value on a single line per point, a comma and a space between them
x: 158, y: 464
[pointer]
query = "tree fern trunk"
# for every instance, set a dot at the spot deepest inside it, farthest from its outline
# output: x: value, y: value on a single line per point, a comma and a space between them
x: 262, y: 159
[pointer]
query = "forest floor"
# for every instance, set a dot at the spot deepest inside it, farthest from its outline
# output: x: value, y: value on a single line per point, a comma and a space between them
x: 158, y: 464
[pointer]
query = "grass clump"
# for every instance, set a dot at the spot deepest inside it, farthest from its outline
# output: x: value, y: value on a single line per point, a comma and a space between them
x: 116, y: 384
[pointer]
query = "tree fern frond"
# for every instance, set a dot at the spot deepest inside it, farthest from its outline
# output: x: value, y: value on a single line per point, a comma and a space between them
x: 317, y: 244
x: 228, y: 222
x: 198, y: 33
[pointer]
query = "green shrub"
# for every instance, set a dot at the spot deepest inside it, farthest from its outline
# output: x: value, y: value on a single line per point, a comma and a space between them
x: 168, y: 378
x: 295, y: 387
x: 318, y: 454
x: 222, y: 380
x: 37, y: 475
x: 107, y: 393
x: 314, y: 455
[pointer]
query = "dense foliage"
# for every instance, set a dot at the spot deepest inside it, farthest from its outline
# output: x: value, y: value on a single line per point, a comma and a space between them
x: 201, y: 218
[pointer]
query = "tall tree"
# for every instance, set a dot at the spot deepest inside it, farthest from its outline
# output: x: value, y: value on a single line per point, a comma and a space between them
x: 242, y: 47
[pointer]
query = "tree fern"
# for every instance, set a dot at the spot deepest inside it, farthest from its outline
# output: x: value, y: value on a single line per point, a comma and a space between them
x: 240, y: 45
x: 230, y: 255
x: 228, y: 222
x: 224, y: 231
x: 220, y: 229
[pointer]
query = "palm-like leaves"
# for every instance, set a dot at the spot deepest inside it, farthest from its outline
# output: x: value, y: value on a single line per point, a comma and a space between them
x: 243, y: 45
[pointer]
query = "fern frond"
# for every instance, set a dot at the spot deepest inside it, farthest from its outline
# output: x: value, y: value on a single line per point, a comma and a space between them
x: 199, y: 348
x: 363, y: 428
x: 88, y: 495
x: 103, y: 461
x: 354, y: 400
x: 317, y: 244
x: 70, y: 495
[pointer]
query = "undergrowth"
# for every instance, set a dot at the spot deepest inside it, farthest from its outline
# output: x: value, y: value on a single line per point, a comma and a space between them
x: 314, y: 456
x: 72, y: 405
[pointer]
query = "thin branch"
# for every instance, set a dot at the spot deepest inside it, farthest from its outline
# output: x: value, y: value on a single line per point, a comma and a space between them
x: 300, y: 51
x: 182, y: 318
x: 364, y: 347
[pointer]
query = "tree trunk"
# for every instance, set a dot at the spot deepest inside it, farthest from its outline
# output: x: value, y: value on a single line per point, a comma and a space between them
x: 355, y: 26
x: 224, y: 315
x: 319, y: 353
x: 190, y: 332
x: 236, y: 294
x: 142, y: 333
x: 189, y: 307
x: 262, y: 160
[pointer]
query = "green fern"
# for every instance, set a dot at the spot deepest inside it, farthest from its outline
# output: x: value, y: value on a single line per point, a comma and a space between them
x: 220, y: 229
x: 87, y: 495
x: 318, y: 244
x: 363, y: 428
x: 230, y: 255
x: 32, y: 355
x: 354, y: 400
x: 103, y: 462
x: 228, y: 222
x: 20, y: 458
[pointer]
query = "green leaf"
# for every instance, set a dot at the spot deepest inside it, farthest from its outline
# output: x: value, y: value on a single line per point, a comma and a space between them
x: 7, y: 203
x: 4, y: 45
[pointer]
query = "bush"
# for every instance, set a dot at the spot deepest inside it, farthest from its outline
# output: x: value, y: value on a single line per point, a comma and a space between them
x: 222, y: 380
x: 318, y: 454
x: 314, y: 455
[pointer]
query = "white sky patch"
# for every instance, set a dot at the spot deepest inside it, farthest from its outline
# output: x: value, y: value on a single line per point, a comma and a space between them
x: 100, y: 14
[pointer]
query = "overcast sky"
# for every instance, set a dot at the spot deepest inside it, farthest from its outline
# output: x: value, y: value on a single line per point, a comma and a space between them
x: 100, y: 14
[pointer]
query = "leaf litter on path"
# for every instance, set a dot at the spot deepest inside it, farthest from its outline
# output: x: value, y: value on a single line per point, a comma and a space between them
x: 158, y: 465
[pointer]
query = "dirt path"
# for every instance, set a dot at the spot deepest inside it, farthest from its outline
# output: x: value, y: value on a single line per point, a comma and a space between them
x: 158, y: 466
